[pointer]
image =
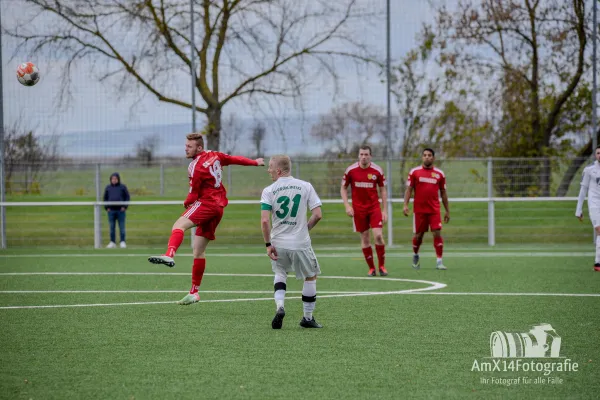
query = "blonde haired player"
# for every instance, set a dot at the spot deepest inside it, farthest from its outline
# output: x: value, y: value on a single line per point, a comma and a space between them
x: 590, y: 185
x: 204, y: 206
x: 284, y: 206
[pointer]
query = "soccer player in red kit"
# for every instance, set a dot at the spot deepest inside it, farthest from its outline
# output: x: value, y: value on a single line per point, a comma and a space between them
x: 365, y: 177
x: 428, y: 183
x: 203, y: 207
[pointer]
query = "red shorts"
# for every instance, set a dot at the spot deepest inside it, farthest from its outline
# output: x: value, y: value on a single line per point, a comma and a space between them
x: 363, y: 220
x: 423, y: 222
x: 205, y: 217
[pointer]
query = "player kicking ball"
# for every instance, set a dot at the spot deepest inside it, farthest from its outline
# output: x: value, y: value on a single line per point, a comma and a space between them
x: 203, y: 207
x: 365, y: 177
x: 590, y: 185
x: 428, y: 183
x: 284, y: 206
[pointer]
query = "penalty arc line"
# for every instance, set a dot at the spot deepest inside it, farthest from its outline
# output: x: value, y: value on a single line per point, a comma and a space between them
x: 432, y: 286
x: 214, y: 301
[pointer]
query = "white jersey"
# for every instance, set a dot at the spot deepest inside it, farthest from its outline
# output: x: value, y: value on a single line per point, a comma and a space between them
x: 590, y: 185
x: 289, y: 199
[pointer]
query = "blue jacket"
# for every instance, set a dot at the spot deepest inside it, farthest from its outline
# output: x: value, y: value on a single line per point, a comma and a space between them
x: 116, y: 192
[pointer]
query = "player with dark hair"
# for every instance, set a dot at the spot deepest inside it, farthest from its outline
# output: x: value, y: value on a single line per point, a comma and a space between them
x: 204, y: 207
x: 365, y: 177
x: 428, y: 183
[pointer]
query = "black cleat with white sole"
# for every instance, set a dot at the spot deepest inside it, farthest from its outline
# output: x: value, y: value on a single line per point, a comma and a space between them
x: 277, y: 322
x: 163, y: 260
x: 310, y: 323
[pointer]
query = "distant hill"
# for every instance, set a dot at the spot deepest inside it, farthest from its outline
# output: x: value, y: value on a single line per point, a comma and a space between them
x: 295, y: 140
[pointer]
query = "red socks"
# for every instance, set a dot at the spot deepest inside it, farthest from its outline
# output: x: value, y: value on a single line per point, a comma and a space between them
x: 416, y: 244
x: 438, y: 244
x: 368, y: 252
x: 380, y: 249
x: 174, y: 242
x: 197, y: 274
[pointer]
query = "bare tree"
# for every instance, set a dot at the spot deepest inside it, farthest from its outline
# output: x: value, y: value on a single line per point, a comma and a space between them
x: 349, y: 125
x: 231, y: 133
x: 145, y: 149
x: 257, y: 136
x: 26, y: 157
x: 530, y: 52
x: 263, y: 47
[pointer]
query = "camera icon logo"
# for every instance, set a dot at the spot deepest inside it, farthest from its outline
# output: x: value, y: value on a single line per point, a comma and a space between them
x: 541, y: 341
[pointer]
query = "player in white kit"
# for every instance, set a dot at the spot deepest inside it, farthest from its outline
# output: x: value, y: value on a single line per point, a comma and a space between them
x: 590, y: 185
x: 284, y: 206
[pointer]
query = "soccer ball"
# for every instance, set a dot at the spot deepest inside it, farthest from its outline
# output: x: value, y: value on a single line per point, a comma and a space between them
x: 28, y: 74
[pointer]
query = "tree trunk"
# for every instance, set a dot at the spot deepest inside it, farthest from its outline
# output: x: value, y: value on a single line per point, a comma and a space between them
x: 213, y: 129
x: 583, y: 155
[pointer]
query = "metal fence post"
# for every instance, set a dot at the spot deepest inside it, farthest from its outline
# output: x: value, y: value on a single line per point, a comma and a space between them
x: 97, y: 212
x: 390, y: 190
x: 162, y: 179
x: 2, y: 172
x: 491, y: 210
x: 297, y: 170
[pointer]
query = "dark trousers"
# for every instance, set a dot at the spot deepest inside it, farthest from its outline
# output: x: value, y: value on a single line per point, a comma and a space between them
x: 113, y: 217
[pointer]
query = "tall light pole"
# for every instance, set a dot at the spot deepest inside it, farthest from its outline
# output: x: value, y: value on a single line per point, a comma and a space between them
x: 389, y: 123
x: 2, y: 183
x: 594, y: 80
x: 193, y: 64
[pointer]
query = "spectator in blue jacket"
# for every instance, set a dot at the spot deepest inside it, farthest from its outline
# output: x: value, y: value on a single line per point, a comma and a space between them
x: 116, y: 191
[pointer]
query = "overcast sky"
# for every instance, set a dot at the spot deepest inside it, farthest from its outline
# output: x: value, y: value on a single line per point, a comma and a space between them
x: 96, y: 106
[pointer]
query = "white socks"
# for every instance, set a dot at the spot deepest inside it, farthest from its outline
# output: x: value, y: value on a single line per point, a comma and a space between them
x: 280, y: 287
x: 309, y: 298
x: 597, y: 249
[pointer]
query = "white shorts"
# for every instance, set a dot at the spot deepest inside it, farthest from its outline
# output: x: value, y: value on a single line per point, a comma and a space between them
x: 595, y: 216
x: 303, y: 262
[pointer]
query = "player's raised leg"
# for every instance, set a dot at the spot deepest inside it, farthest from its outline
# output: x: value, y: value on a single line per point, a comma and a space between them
x: 175, y: 240
x: 279, y: 286
x: 309, y: 298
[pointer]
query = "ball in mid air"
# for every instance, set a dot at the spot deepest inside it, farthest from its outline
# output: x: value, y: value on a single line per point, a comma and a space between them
x: 28, y: 74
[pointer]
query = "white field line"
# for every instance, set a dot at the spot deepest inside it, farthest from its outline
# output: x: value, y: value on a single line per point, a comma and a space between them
x: 511, y: 294
x: 410, y: 291
x: 163, y: 291
x: 333, y: 255
x: 425, y: 290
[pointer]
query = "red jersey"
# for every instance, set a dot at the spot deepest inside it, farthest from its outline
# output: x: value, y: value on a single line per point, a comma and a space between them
x: 206, y: 177
x: 364, y: 182
x: 427, y: 182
